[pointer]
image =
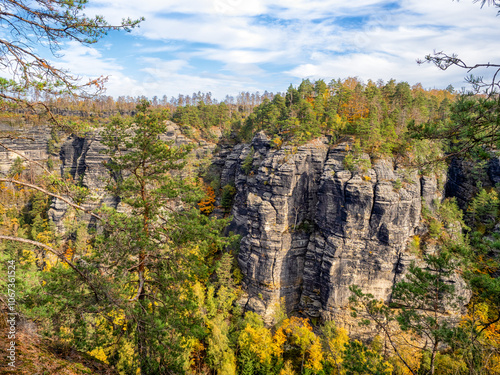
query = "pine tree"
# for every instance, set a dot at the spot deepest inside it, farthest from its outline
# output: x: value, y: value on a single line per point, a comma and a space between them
x: 163, y: 240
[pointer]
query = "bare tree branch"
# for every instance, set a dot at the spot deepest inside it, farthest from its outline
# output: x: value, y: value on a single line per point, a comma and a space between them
x: 25, y: 158
x: 49, y: 23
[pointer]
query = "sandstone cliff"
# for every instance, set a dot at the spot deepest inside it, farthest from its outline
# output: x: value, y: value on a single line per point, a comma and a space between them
x: 30, y: 141
x: 83, y: 159
x: 311, y: 228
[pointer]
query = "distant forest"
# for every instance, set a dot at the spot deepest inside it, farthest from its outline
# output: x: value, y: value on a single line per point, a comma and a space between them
x: 377, y: 113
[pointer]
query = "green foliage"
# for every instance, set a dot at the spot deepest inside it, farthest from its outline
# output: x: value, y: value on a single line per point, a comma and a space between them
x: 471, y: 127
x: 168, y: 254
x: 426, y: 289
x: 397, y: 184
x: 247, y: 164
x: 424, y: 300
x: 157, y: 291
x: 256, y: 346
x: 227, y: 196
x: 349, y: 163
x: 17, y: 167
x: 445, y: 227
x: 435, y: 228
x: 355, y: 160
x: 50, y: 164
x: 361, y: 360
x: 220, y: 355
x: 133, y: 304
x: 203, y: 116
x: 53, y: 142
x: 377, y: 115
x: 449, y: 365
x: 484, y: 209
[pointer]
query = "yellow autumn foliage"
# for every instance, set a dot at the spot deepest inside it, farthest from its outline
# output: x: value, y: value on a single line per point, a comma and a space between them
x: 287, y: 369
x: 334, y: 340
x: 98, y: 353
x: 258, y: 340
x: 298, y: 332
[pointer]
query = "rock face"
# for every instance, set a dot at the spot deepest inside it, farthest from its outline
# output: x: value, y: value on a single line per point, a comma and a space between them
x: 274, y: 205
x: 30, y: 141
x: 464, y: 176
x: 311, y: 228
x: 83, y: 159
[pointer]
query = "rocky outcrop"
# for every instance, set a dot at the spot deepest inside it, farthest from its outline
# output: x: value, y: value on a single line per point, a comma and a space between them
x: 83, y: 158
x: 465, y: 177
x: 494, y: 170
x: 274, y: 205
x: 311, y: 228
x: 30, y: 141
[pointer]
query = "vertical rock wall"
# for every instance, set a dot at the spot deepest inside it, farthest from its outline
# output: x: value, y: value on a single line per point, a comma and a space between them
x: 83, y: 158
x: 30, y: 141
x: 311, y: 228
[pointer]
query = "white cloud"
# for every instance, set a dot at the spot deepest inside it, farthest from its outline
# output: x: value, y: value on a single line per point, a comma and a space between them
x: 177, y: 76
x: 86, y: 61
x: 89, y: 63
x: 297, y: 9
x: 259, y: 42
x: 377, y: 66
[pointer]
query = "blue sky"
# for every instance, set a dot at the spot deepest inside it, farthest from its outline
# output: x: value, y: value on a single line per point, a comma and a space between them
x: 229, y: 46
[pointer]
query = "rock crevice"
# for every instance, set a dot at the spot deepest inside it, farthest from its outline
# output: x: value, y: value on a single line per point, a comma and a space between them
x: 311, y: 228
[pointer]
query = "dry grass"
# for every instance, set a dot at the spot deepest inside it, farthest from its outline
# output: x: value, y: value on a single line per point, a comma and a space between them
x: 39, y: 356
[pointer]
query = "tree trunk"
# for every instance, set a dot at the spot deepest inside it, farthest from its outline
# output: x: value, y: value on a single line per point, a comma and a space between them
x: 141, y: 340
x: 433, y: 357
x: 142, y: 348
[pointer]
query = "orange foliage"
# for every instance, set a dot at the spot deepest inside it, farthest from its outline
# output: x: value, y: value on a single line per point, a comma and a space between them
x: 207, y: 205
x: 351, y: 83
x: 69, y: 252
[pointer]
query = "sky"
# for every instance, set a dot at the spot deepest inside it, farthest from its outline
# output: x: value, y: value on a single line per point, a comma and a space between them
x: 230, y: 46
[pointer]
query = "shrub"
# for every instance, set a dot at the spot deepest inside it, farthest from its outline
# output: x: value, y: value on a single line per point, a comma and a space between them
x: 435, y: 228
x: 398, y: 184
x: 414, y: 245
x: 277, y: 142
x: 349, y: 162
x: 247, y: 164
x: 228, y: 193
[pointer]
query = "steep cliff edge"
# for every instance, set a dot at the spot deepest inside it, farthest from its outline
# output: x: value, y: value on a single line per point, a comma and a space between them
x: 311, y: 228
